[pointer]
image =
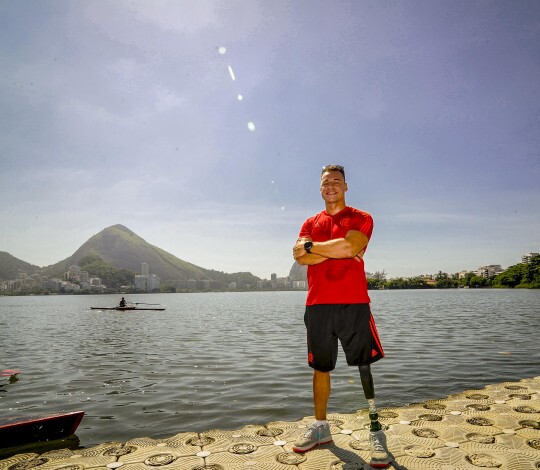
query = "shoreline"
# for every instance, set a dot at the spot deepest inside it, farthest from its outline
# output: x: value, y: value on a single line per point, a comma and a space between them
x: 28, y: 294
x: 497, y: 426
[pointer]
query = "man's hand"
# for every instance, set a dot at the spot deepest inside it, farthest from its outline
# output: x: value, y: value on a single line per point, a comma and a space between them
x: 303, y: 257
x: 298, y: 249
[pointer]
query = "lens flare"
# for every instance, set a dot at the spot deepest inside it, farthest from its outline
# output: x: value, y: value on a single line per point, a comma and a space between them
x: 231, y: 73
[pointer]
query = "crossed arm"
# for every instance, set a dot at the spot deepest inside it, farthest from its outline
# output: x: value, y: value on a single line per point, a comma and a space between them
x: 351, y: 246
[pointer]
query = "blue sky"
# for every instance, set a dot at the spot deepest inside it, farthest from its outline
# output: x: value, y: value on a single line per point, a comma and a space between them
x: 203, y: 125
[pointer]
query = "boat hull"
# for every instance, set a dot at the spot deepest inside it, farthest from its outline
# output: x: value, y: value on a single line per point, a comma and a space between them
x: 16, y: 431
x: 122, y: 309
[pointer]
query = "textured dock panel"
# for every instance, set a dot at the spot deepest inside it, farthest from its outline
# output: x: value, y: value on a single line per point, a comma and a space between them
x: 496, y: 427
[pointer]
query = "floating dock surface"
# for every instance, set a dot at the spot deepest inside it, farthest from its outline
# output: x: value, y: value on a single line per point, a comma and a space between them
x: 495, y: 427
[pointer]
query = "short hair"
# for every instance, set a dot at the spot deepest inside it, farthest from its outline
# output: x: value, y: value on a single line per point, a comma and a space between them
x: 328, y: 168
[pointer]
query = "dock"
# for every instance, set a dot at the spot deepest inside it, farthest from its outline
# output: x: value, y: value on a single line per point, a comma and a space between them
x: 494, y: 427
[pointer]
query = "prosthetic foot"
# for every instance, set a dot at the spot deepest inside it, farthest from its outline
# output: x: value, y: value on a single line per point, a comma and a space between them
x: 377, y: 439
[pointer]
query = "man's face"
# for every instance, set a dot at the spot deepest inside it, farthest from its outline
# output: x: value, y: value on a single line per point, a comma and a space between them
x: 333, y: 187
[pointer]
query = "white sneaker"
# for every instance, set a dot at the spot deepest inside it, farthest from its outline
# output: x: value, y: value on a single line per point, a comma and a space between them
x: 314, y: 436
x: 379, y: 455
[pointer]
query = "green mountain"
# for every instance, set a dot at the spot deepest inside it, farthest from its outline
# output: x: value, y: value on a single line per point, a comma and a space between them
x: 120, y: 247
x: 10, y: 267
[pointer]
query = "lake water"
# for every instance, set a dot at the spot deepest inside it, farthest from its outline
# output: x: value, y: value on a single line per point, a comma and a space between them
x: 224, y: 360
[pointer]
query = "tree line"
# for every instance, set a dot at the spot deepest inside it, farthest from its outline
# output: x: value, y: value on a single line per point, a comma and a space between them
x: 110, y: 276
x: 522, y: 275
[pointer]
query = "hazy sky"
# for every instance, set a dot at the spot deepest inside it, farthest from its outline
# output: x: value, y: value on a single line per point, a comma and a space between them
x: 203, y: 125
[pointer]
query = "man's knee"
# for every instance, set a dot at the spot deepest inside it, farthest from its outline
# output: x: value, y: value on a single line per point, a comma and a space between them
x: 321, y: 374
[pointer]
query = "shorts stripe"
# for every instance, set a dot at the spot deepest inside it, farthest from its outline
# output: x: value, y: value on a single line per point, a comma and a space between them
x: 375, y: 334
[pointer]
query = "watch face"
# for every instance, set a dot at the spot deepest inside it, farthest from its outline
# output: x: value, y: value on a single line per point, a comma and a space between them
x: 307, y: 246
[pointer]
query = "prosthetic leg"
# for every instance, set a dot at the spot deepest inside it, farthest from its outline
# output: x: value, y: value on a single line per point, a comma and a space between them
x: 379, y: 455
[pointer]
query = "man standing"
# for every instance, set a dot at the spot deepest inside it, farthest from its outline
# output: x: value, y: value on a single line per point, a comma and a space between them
x: 332, y: 244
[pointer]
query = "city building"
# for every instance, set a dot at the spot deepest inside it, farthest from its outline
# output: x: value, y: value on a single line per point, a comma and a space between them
x: 145, y: 269
x: 140, y: 282
x: 187, y: 284
x: 429, y: 279
x: 489, y: 271
x: 152, y: 282
x: 146, y: 282
x: 526, y: 258
x: 203, y: 284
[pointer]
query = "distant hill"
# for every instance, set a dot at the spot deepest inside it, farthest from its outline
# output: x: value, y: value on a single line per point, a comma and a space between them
x: 10, y: 266
x: 298, y: 272
x: 122, y: 248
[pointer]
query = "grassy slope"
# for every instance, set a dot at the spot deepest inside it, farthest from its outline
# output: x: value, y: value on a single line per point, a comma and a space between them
x: 10, y: 266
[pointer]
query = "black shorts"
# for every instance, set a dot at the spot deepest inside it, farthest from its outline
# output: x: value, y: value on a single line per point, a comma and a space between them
x: 352, y: 324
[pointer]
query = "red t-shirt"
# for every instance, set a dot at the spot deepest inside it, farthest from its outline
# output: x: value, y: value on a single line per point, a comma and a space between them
x: 337, y: 281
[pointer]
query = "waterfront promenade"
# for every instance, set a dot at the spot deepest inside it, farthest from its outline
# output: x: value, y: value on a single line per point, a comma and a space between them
x: 494, y: 427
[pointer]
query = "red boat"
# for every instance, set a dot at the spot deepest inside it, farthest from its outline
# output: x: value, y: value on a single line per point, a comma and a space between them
x: 15, y: 431
x: 12, y: 374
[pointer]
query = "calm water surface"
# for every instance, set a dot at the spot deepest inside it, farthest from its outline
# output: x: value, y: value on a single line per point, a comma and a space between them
x: 224, y: 360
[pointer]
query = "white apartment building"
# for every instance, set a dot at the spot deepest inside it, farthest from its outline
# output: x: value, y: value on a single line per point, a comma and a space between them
x: 152, y: 282
x: 140, y: 282
x: 145, y: 269
x: 300, y: 285
x: 147, y: 283
x: 526, y: 258
x: 488, y: 271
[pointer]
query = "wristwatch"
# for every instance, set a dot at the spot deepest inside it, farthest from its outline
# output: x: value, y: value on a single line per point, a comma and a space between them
x: 307, y: 246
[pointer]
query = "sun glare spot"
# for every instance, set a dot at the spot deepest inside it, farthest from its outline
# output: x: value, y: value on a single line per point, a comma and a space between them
x: 240, y: 97
x: 251, y: 126
x: 222, y: 50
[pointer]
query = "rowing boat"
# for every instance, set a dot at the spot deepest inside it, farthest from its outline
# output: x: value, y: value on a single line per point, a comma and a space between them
x: 128, y: 308
x: 15, y: 431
